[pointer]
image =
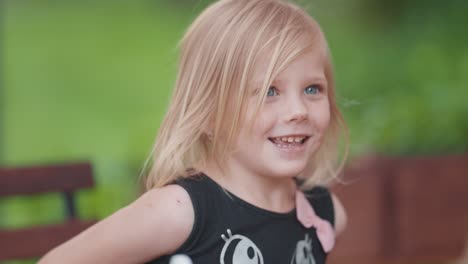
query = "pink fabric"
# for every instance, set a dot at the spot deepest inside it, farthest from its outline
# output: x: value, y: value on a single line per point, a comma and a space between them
x: 308, y: 218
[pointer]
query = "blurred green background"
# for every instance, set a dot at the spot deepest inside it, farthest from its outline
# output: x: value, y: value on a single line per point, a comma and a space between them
x: 90, y: 80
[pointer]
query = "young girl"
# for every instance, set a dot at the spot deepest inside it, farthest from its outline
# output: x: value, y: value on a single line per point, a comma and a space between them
x: 251, y: 132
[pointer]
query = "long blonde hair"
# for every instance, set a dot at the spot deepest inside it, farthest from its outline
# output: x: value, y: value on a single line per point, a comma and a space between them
x: 218, y: 57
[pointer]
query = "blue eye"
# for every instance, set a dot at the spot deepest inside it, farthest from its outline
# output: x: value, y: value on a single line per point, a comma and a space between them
x: 313, y: 89
x: 272, y: 91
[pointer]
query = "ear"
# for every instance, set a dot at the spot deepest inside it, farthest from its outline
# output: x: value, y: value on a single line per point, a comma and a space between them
x: 209, y: 135
x: 209, y: 130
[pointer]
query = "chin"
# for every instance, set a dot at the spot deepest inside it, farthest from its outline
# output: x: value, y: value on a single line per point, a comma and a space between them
x: 288, y: 172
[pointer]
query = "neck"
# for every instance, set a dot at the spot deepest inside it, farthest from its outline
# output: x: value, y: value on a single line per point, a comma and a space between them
x: 270, y: 193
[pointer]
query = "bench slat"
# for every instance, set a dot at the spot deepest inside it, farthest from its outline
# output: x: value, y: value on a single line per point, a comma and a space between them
x: 36, y: 241
x: 42, y: 179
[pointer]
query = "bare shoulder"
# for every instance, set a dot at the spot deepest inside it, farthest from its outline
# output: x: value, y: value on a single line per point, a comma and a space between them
x: 155, y: 224
x: 341, y: 217
x: 169, y: 211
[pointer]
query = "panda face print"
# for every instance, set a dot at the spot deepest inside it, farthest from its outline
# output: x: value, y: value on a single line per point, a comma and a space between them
x: 239, y: 249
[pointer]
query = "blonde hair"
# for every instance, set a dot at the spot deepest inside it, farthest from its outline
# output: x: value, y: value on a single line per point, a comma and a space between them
x: 218, y: 57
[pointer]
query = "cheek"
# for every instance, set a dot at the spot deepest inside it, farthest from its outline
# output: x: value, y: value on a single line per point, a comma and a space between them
x: 262, y: 124
x: 321, y: 116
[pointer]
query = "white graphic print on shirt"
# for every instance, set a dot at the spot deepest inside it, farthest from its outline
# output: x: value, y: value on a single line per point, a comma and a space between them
x: 303, y: 254
x: 239, y: 249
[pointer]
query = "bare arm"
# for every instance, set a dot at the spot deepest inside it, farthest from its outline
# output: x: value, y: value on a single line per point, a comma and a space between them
x: 341, y: 218
x: 155, y: 224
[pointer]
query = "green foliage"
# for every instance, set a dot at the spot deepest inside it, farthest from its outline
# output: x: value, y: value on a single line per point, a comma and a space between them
x: 401, y: 83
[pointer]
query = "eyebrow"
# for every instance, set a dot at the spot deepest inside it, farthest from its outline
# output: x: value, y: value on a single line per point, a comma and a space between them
x: 309, y: 80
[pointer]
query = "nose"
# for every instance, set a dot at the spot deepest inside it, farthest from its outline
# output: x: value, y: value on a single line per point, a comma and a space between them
x: 296, y: 110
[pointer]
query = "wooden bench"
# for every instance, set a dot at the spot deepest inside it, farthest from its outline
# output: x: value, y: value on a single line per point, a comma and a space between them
x: 404, y: 210
x: 32, y: 242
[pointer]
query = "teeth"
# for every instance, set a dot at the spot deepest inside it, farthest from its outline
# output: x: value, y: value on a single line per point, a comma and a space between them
x: 290, y: 139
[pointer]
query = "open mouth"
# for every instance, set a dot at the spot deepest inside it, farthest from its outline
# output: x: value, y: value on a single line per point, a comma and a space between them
x: 285, y: 142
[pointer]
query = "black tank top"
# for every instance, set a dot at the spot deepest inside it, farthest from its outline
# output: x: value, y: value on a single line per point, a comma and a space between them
x: 229, y: 230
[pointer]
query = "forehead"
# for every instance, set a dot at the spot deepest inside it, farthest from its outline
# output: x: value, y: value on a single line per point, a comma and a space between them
x: 308, y: 66
x: 308, y: 60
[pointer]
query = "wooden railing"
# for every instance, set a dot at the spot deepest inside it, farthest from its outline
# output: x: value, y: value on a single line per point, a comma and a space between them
x: 404, y: 210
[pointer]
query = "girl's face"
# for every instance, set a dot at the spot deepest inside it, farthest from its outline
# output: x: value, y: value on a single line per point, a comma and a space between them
x: 290, y: 126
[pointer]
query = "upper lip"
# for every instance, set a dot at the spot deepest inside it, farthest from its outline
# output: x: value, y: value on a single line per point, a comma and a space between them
x: 292, y: 135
